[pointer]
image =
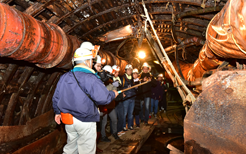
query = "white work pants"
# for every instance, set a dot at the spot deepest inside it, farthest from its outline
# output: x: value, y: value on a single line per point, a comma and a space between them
x: 81, y: 137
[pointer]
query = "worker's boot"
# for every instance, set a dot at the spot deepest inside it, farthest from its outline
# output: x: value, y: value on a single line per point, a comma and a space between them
x: 115, y: 135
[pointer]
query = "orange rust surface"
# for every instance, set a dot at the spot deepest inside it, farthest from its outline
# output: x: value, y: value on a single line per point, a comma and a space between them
x: 25, y: 38
x: 216, y: 121
x: 47, y: 45
x: 226, y: 35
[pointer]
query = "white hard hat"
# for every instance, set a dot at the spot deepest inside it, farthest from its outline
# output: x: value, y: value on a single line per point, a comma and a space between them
x: 90, y: 46
x: 135, y: 70
x: 128, y: 66
x: 108, y: 68
x: 160, y: 75
x: 82, y: 54
x: 146, y: 65
x: 98, y: 59
x: 87, y: 45
x: 116, y: 68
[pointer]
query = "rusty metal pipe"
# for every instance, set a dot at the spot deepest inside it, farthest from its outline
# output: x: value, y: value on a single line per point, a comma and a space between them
x: 109, y: 59
x: 24, y: 38
x: 226, y: 35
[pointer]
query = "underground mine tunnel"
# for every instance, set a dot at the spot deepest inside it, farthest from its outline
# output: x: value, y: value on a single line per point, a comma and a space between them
x: 198, y: 45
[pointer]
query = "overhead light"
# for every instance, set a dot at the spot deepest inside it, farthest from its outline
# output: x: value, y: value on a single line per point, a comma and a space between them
x: 141, y: 54
x: 156, y: 61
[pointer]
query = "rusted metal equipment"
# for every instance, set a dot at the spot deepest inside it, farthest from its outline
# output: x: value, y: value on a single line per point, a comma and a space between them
x: 216, y: 121
x: 110, y: 59
x: 24, y: 38
x: 185, y: 67
x: 226, y: 35
x: 207, y: 60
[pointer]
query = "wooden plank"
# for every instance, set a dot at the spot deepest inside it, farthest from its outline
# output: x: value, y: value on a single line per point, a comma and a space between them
x: 49, y: 144
x: 41, y: 101
x: 25, y: 115
x: 130, y: 142
x: 8, y: 118
x: 6, y: 78
x: 48, y: 103
x: 18, y: 132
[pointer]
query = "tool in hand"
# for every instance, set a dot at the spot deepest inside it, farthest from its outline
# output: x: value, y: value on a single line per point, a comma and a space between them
x: 120, y: 91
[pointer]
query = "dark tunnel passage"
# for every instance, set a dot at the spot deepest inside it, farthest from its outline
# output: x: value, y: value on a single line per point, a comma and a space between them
x: 197, y: 45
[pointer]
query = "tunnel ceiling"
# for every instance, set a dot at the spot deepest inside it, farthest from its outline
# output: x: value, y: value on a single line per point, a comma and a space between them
x: 26, y: 91
x: 90, y: 19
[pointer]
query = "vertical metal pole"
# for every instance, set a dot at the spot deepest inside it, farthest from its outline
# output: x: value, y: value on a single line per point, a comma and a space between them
x: 185, y: 93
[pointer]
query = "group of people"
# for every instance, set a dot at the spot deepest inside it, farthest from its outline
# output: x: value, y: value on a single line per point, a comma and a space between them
x: 89, y: 93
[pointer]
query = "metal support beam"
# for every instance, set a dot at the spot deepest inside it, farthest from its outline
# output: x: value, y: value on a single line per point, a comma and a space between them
x: 199, y: 11
x: 97, y: 15
x: 185, y: 93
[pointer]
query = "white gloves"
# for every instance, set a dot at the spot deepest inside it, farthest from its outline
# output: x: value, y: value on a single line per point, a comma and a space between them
x: 116, y: 83
x: 135, y: 80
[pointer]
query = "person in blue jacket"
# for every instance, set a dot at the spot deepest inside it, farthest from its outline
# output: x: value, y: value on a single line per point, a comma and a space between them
x: 129, y: 99
x: 72, y: 96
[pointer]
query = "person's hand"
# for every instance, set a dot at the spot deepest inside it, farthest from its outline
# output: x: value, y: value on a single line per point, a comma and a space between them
x: 116, y: 83
x: 58, y: 119
x: 124, y: 95
x: 135, y: 80
x: 116, y: 93
x: 145, y: 79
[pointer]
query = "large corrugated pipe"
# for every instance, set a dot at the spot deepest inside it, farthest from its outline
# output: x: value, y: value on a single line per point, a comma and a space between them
x: 226, y: 39
x: 207, y: 60
x: 24, y: 38
x: 226, y: 32
x: 109, y: 59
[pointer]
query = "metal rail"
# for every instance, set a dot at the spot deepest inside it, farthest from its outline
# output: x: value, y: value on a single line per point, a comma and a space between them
x: 184, y: 92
